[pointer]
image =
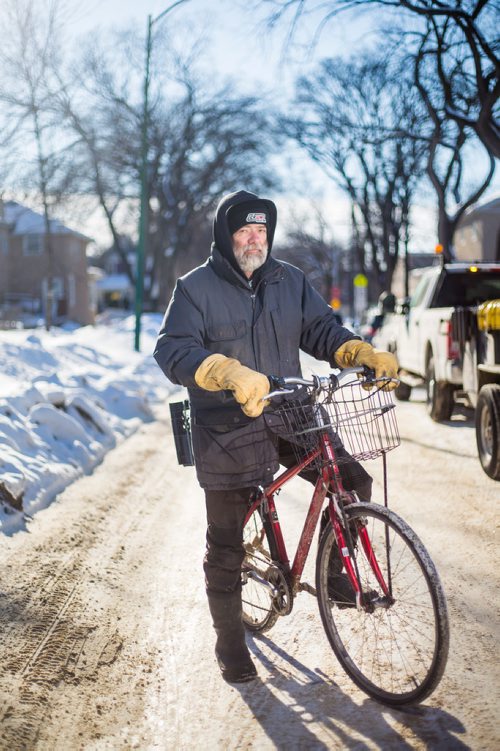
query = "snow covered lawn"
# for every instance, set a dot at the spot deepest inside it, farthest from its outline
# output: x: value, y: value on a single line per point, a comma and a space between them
x: 66, y: 398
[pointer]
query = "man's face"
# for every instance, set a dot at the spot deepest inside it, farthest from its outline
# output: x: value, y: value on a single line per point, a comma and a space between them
x: 250, y: 247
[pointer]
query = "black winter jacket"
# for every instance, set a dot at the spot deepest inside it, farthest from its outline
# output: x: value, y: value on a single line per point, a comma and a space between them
x: 263, y: 323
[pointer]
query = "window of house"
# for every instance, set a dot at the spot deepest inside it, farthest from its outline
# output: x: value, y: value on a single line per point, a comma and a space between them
x: 71, y: 290
x: 32, y: 245
x: 114, y: 263
x: 58, y: 287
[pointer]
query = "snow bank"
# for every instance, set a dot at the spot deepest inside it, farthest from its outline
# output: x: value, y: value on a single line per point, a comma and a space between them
x: 66, y: 398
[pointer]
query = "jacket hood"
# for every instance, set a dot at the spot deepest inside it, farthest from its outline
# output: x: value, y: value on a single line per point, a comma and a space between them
x: 221, y: 234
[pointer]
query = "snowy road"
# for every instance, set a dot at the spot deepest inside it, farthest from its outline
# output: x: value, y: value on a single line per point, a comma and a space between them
x: 105, y: 639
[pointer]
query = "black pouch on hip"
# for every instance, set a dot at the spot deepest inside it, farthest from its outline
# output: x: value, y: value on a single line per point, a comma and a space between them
x: 181, y: 428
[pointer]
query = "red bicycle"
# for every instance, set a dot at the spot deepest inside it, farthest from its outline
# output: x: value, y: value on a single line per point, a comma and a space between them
x: 380, y: 598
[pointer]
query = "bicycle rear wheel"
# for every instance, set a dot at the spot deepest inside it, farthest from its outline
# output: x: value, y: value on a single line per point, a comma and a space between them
x: 257, y: 575
x: 393, y: 647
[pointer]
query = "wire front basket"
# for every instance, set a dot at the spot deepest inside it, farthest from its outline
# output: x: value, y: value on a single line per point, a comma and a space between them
x: 360, y: 423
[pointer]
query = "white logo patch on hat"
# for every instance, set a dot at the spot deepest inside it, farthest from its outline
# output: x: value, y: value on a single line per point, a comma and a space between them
x: 254, y: 218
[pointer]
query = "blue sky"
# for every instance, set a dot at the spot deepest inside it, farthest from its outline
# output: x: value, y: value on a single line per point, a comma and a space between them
x: 238, y: 38
x: 238, y: 44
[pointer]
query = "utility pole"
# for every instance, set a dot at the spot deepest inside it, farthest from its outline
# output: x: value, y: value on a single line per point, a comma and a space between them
x: 144, y: 210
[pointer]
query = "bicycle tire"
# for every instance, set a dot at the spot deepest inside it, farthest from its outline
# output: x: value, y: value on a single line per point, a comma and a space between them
x: 397, y: 653
x: 258, y: 612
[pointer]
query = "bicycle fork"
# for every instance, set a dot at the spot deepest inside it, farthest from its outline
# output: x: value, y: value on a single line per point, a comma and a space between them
x: 346, y: 546
x: 346, y: 549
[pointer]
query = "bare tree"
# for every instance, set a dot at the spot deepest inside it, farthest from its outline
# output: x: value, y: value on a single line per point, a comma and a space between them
x: 446, y: 141
x: 9, y: 143
x: 355, y: 123
x: 460, y: 36
x: 28, y: 87
x: 310, y: 244
x: 215, y: 142
x: 202, y: 141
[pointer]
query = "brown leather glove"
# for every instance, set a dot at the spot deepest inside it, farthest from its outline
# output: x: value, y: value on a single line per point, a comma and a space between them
x: 219, y: 372
x: 354, y: 353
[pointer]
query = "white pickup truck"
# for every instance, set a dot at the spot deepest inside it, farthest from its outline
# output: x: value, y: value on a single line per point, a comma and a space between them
x: 420, y: 331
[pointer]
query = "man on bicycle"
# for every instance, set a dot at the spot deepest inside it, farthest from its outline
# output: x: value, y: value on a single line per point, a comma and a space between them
x: 234, y: 319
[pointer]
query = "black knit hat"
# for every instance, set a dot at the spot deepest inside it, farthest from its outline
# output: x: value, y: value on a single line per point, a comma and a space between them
x: 249, y: 212
x: 241, y: 199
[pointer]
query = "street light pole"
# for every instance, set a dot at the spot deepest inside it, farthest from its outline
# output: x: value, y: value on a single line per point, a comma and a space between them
x: 144, y: 204
x: 143, y: 218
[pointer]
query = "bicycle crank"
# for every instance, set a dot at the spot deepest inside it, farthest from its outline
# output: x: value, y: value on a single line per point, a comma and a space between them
x: 250, y: 574
x: 283, y: 601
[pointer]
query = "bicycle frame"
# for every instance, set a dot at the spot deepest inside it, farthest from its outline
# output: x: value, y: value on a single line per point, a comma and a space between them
x: 385, y: 619
x: 329, y: 480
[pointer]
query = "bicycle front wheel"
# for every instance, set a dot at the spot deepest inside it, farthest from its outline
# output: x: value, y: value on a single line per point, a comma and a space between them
x: 394, y: 645
x: 257, y: 576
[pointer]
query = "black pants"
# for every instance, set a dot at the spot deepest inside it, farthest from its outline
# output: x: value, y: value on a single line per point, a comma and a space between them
x: 226, y: 510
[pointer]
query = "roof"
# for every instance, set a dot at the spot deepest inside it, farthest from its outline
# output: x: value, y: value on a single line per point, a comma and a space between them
x: 24, y: 221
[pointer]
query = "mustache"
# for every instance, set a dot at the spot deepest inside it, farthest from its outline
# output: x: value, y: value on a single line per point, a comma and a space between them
x: 255, y: 246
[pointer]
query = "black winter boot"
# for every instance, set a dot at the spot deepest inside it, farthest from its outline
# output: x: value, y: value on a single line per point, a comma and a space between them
x: 231, y: 651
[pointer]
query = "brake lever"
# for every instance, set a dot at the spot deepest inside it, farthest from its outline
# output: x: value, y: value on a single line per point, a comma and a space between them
x: 278, y: 387
x: 279, y: 392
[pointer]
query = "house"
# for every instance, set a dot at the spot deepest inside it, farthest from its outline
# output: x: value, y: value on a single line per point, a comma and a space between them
x: 115, y: 289
x: 477, y: 237
x: 29, y: 257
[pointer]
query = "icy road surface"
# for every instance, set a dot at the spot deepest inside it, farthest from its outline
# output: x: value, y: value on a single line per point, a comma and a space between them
x: 105, y: 637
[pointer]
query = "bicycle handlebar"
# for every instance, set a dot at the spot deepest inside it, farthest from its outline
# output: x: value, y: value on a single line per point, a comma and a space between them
x: 318, y: 383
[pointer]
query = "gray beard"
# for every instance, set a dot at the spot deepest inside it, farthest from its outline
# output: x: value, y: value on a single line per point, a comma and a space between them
x: 250, y: 263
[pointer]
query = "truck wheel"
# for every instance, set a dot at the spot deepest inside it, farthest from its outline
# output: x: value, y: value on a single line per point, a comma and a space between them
x: 440, y: 400
x: 488, y: 429
x: 402, y: 391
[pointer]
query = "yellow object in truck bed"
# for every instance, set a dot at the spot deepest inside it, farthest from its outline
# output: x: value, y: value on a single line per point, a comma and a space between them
x: 488, y: 316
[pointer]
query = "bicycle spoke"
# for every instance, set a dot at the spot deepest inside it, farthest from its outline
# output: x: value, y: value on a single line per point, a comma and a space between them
x: 258, y: 611
x: 395, y: 650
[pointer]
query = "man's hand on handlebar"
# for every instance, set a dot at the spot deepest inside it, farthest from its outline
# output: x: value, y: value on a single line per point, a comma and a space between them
x: 384, y: 364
